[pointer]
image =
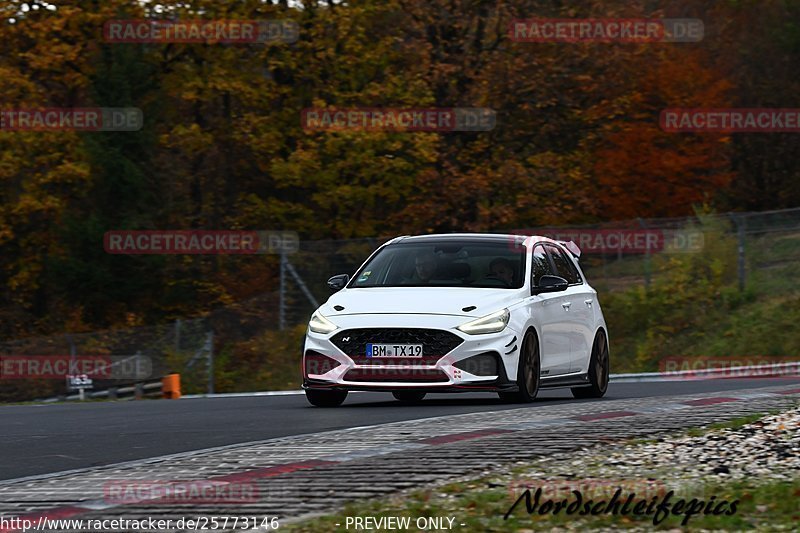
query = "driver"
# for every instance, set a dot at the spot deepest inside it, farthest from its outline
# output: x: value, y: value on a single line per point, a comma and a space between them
x: 425, y: 265
x: 502, y: 269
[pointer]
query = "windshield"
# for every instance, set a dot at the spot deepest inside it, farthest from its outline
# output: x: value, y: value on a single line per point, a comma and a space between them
x: 445, y: 264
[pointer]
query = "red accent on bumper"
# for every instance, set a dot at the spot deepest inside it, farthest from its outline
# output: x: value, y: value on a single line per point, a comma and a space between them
x: 413, y: 375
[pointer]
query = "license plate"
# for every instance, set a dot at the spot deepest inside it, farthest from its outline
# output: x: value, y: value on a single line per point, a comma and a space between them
x: 394, y: 350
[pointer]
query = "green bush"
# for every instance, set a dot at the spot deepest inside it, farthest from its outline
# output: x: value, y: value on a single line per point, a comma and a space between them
x: 688, y: 293
x: 270, y: 361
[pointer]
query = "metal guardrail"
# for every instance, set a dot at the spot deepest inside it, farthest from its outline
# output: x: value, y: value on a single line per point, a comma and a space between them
x: 791, y: 368
x: 150, y: 389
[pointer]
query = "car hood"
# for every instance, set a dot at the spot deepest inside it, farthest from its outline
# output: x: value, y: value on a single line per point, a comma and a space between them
x: 422, y: 300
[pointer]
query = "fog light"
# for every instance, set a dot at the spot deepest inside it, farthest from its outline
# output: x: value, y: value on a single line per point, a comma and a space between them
x: 318, y: 364
x: 483, y: 364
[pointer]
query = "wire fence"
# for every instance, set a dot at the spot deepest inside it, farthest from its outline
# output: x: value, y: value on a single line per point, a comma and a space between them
x: 752, y: 244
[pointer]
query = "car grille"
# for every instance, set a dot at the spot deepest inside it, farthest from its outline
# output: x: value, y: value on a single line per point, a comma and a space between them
x: 410, y: 374
x: 436, y: 343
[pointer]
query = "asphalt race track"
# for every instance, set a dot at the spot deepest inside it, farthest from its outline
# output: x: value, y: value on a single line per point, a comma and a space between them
x: 56, y: 437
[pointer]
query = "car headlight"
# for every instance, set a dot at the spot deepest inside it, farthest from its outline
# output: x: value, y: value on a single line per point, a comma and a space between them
x: 320, y: 324
x: 488, y: 324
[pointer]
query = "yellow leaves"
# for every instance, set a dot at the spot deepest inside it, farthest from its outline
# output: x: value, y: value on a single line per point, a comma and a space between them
x: 26, y: 278
x: 73, y: 321
x: 6, y: 231
x: 17, y: 89
x: 29, y: 204
x: 188, y: 138
x: 69, y: 173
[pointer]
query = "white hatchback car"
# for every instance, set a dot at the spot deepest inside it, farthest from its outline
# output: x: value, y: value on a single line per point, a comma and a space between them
x: 459, y: 312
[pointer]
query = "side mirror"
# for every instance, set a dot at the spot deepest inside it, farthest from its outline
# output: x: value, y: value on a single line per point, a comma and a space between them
x: 337, y: 283
x: 549, y: 283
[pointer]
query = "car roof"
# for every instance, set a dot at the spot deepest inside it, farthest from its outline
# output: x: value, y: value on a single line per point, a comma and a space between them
x: 445, y: 237
x: 486, y: 237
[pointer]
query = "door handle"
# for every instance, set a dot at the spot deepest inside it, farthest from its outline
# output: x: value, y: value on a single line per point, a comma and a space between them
x: 566, y: 305
x: 588, y: 302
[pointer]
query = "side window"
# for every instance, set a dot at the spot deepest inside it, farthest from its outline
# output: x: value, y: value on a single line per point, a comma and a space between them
x: 540, y: 265
x: 564, y: 266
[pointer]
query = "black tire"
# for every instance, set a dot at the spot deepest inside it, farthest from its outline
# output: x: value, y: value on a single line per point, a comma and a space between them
x: 408, y: 396
x: 527, y: 372
x: 599, y: 367
x: 325, y: 398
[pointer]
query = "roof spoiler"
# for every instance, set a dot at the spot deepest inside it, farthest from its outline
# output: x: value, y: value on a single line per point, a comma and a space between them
x: 572, y: 247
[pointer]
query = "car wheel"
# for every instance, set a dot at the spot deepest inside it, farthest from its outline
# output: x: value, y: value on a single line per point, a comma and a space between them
x: 527, y: 372
x: 408, y: 396
x: 598, y: 370
x: 325, y: 398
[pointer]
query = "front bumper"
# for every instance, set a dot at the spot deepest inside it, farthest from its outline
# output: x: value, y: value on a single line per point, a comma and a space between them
x: 454, y: 369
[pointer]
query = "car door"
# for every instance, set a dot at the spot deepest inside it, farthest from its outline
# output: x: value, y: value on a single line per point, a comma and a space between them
x: 578, y: 307
x: 555, y: 355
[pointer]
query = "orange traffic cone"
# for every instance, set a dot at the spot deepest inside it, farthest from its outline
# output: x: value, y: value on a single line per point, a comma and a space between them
x: 171, y: 386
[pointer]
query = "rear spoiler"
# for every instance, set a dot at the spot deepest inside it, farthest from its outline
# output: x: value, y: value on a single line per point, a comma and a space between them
x: 572, y: 247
